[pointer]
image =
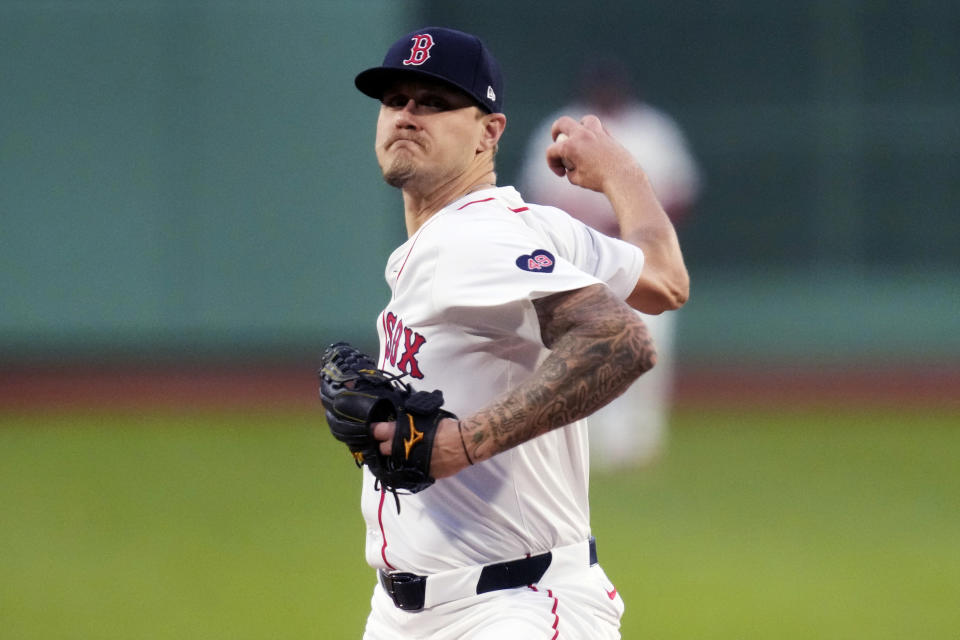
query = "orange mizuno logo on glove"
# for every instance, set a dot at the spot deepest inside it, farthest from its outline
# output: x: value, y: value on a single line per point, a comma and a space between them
x: 415, y: 437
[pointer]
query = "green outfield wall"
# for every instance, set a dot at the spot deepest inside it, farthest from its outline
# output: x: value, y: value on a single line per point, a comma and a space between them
x: 196, y: 179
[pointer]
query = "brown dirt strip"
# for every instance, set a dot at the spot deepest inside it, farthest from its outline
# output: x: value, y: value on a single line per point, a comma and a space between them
x: 294, y: 387
x: 918, y: 386
x: 120, y: 387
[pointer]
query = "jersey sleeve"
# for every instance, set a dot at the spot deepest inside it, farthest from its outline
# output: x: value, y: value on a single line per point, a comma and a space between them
x: 614, y: 261
x: 490, y: 260
x: 611, y: 260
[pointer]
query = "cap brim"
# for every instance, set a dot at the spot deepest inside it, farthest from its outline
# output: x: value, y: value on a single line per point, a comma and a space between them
x: 373, y: 82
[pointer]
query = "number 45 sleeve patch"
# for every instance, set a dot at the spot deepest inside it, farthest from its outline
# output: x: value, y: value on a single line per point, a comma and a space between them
x: 539, y: 261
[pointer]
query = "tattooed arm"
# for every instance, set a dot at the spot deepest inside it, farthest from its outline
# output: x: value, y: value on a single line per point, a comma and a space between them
x: 598, y: 347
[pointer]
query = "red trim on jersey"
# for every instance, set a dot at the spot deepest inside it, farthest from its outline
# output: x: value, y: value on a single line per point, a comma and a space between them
x: 383, y: 534
x: 520, y: 209
x: 431, y: 219
x: 556, y: 616
x: 405, y: 259
x: 383, y: 323
x: 474, y: 202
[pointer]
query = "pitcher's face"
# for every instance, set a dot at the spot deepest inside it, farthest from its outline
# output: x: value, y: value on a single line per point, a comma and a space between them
x: 427, y: 132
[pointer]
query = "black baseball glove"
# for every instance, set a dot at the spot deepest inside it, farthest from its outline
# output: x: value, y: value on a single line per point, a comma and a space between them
x: 355, y: 394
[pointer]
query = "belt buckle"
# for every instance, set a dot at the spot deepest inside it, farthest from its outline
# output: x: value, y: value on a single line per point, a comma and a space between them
x: 407, y: 590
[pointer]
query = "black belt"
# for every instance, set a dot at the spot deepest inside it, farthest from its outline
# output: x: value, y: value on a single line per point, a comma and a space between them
x: 407, y: 590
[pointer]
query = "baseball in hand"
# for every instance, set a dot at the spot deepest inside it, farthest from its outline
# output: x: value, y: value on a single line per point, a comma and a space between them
x: 566, y: 163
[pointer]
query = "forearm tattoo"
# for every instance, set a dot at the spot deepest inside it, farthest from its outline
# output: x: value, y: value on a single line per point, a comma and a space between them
x: 598, y: 347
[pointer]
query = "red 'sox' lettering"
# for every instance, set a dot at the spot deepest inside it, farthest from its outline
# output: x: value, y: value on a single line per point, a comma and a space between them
x: 394, y: 334
x: 412, y: 343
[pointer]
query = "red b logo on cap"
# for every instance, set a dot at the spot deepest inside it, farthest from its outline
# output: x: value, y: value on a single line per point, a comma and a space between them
x: 420, y: 52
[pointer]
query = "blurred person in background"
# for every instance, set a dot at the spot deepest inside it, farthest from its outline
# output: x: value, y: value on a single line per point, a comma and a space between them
x: 631, y: 430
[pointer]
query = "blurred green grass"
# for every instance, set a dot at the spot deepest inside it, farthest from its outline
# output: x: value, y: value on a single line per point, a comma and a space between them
x: 816, y: 523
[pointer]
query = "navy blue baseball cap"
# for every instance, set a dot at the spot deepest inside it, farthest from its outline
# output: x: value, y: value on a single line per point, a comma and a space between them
x: 457, y: 58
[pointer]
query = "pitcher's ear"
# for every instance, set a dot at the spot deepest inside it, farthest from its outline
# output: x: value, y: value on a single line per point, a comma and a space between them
x: 493, y: 127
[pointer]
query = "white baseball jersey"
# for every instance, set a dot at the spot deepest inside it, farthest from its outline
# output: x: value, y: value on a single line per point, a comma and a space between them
x: 461, y: 319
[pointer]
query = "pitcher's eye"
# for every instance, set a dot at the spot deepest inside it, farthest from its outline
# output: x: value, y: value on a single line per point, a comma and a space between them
x: 436, y: 103
x: 394, y: 100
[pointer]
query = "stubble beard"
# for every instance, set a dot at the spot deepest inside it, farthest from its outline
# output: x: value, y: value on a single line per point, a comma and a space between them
x: 399, y: 172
